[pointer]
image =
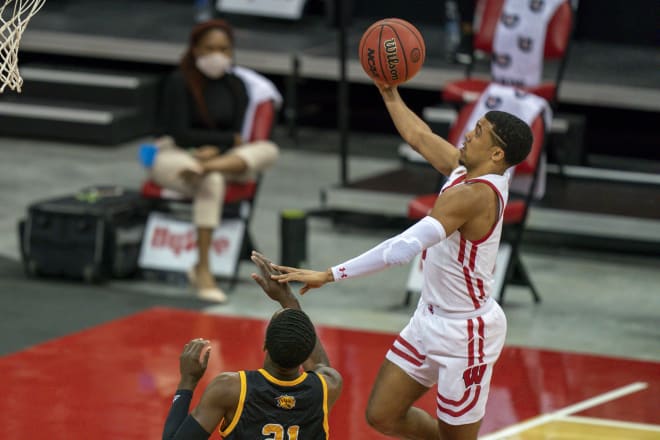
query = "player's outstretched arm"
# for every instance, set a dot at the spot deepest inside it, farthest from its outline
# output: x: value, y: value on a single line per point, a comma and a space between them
x: 318, y: 360
x: 218, y: 401
x: 442, y: 155
x: 280, y: 292
x: 398, y: 250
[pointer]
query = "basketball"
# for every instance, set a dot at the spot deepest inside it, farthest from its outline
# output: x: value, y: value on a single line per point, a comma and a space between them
x: 392, y: 51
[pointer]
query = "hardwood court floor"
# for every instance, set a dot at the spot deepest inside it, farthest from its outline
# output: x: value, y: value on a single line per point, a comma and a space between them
x: 116, y: 380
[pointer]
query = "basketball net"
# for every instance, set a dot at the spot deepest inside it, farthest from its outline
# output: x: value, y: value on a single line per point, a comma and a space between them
x: 14, y: 18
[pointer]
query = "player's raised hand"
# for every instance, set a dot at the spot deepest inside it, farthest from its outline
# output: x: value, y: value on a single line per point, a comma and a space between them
x: 312, y: 279
x: 384, y: 87
x: 193, y: 362
x: 280, y: 292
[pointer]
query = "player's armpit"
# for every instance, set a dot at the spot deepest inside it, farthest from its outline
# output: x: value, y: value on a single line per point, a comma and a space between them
x: 218, y: 402
x: 334, y: 381
x: 458, y: 205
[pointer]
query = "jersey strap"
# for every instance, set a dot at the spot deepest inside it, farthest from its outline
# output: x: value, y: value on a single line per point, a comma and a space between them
x: 239, y: 406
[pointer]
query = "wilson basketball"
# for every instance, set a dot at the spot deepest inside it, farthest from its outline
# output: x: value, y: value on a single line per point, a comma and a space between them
x: 392, y: 51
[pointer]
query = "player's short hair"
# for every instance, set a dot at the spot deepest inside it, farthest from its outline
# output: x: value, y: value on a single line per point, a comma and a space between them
x: 290, y: 338
x: 514, y: 132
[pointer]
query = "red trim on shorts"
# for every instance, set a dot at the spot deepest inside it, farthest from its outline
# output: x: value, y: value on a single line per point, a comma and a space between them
x: 470, y: 348
x: 471, y: 355
x: 470, y: 287
x: 406, y: 356
x: 410, y: 347
x: 461, y: 250
x: 466, y: 394
x: 459, y: 413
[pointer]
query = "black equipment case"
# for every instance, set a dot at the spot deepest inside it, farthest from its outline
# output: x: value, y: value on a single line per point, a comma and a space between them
x: 95, y: 234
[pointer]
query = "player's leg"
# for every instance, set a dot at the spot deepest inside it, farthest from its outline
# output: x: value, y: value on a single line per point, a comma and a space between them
x: 390, y: 409
x: 207, y: 210
x: 254, y: 158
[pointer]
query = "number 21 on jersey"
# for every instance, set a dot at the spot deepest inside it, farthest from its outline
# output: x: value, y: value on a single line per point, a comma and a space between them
x: 277, y: 432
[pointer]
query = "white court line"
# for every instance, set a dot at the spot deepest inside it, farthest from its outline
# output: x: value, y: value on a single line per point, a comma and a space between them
x: 580, y: 406
x: 612, y: 423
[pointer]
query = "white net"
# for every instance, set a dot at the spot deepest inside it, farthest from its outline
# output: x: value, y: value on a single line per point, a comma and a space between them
x: 14, y: 18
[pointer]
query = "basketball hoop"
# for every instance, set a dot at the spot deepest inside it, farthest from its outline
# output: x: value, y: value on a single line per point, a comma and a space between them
x: 14, y: 18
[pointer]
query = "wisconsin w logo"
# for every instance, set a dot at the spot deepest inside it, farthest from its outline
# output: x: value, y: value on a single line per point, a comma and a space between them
x: 473, y: 375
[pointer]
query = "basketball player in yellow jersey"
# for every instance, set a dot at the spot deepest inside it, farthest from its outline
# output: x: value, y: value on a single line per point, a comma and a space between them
x: 278, y: 401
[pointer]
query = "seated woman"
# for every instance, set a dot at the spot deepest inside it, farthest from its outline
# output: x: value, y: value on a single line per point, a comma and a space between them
x: 207, y: 111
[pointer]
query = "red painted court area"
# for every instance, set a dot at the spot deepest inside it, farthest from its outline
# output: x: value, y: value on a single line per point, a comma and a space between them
x: 115, y: 381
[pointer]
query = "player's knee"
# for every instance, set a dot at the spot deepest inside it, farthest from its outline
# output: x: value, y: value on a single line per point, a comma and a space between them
x: 214, y: 179
x: 213, y: 184
x: 379, y: 419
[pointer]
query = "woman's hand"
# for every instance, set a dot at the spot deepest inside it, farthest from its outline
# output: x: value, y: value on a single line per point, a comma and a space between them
x: 191, y: 176
x: 205, y: 152
x: 280, y: 292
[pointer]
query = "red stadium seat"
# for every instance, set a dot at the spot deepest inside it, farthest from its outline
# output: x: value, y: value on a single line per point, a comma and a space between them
x: 239, y: 196
x: 556, y: 47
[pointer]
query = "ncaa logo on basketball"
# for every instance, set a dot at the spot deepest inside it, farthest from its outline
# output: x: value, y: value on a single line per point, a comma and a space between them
x: 392, y: 57
x: 536, y: 5
x: 371, y: 60
x: 525, y: 44
x: 286, y: 402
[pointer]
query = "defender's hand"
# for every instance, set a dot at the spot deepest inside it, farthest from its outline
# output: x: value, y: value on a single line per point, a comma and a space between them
x: 312, y: 279
x: 280, y: 292
x: 193, y: 362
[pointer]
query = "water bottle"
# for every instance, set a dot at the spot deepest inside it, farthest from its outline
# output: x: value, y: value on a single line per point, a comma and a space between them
x: 203, y: 10
x: 452, y: 29
x: 147, y: 155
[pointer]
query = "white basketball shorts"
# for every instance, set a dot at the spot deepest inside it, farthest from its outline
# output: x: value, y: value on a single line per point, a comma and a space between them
x: 457, y: 353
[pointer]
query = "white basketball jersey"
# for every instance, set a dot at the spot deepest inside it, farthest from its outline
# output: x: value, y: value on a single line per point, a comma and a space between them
x: 459, y: 273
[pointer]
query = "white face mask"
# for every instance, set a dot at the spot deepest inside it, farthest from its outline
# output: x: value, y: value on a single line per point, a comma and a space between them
x: 213, y: 65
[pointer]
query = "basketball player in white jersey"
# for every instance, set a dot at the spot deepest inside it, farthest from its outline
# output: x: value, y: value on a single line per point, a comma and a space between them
x: 458, y: 330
